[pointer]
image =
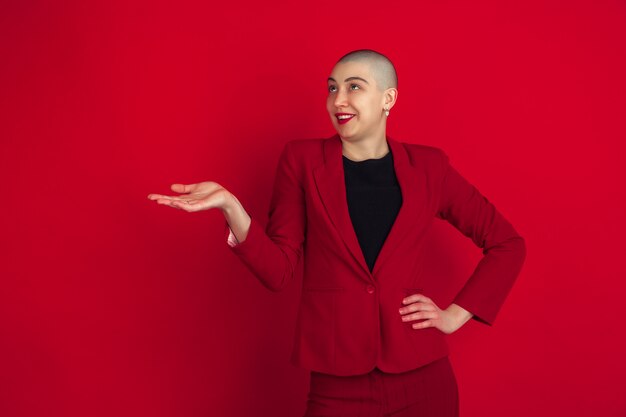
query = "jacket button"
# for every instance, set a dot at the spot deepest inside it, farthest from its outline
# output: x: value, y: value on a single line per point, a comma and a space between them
x: 370, y: 289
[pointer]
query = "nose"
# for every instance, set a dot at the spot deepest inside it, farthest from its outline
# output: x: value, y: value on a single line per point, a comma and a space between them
x: 340, y: 98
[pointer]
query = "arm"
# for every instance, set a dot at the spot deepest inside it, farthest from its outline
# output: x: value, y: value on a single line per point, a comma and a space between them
x: 272, y: 253
x: 504, y: 250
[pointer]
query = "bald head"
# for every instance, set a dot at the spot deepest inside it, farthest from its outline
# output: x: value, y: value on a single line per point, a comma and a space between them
x: 382, y: 69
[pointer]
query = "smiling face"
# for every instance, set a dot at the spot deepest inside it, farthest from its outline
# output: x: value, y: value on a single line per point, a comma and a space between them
x: 356, y: 103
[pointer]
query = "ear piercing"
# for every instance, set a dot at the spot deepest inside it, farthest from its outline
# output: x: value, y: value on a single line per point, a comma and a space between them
x: 386, y: 111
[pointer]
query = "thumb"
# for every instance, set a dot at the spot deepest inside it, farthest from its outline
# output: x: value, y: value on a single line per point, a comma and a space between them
x: 183, y: 188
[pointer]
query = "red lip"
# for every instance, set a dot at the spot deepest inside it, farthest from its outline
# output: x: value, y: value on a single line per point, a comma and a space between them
x: 346, y: 120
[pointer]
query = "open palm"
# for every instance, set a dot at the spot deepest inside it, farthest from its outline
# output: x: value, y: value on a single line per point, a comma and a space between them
x: 194, y: 197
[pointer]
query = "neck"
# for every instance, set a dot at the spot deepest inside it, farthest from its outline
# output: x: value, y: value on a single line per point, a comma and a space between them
x: 373, y: 147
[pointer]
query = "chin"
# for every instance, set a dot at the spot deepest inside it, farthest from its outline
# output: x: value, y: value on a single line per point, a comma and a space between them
x: 345, y: 133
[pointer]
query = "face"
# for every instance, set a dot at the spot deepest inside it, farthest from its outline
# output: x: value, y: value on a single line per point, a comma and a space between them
x: 355, y: 104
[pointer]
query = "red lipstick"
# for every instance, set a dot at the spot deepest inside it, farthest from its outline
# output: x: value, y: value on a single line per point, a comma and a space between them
x: 343, y: 118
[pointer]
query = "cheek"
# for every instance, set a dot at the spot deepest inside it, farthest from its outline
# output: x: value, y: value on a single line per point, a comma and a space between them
x: 329, y: 104
x: 372, y: 107
x: 365, y: 103
x: 364, y: 108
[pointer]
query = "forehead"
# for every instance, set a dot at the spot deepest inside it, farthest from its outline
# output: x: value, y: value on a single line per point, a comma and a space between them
x: 343, y: 70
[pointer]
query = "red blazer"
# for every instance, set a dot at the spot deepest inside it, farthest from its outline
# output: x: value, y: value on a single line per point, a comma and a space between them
x: 348, y: 319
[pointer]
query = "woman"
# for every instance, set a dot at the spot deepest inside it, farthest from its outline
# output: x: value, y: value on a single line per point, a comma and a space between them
x: 356, y: 208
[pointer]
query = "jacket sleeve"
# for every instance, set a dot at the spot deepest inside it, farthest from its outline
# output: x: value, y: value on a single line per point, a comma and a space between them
x: 504, y: 250
x: 273, y: 253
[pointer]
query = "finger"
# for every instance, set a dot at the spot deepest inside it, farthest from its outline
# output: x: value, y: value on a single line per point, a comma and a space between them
x: 173, y: 203
x: 421, y: 315
x: 166, y: 199
x: 184, y: 188
x: 423, y: 324
x: 157, y: 196
x: 168, y: 203
x: 160, y: 198
x: 415, y: 298
x: 417, y: 307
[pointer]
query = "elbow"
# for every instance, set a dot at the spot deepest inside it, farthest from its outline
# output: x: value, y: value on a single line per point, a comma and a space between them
x: 512, y: 248
x: 516, y: 249
x: 284, y: 275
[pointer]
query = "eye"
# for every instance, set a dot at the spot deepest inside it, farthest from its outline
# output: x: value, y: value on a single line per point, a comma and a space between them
x: 355, y: 87
x: 332, y: 88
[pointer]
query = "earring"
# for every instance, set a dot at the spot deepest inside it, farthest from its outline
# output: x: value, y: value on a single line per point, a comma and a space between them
x: 386, y: 111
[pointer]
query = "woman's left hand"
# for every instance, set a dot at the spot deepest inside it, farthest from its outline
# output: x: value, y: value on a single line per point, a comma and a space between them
x: 419, y: 307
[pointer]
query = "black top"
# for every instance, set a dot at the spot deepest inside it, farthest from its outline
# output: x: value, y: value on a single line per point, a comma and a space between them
x: 374, y: 199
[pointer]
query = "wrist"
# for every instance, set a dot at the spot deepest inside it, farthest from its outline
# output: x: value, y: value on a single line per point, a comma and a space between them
x: 237, y: 218
x: 459, y: 313
x: 230, y: 205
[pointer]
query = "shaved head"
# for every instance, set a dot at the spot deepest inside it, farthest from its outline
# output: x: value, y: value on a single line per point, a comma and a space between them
x: 382, y: 69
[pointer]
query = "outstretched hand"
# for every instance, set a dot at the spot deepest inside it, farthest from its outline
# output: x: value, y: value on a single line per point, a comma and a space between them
x: 195, y: 197
x: 418, y: 306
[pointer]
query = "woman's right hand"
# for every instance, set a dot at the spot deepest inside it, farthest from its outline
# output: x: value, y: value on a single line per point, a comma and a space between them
x: 207, y: 195
x: 195, y: 197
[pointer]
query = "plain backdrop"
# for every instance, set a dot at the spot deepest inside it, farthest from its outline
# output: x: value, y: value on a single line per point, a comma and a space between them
x: 111, y: 305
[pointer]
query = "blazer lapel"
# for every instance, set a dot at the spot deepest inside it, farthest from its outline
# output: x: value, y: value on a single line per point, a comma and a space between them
x: 330, y: 181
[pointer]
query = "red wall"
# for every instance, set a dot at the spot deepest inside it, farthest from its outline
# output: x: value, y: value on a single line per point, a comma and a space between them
x: 111, y: 305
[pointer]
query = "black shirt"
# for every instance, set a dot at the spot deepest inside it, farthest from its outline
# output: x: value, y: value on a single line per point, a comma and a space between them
x: 374, y: 199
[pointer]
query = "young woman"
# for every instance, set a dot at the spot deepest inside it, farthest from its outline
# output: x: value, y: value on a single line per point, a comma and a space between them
x: 356, y: 208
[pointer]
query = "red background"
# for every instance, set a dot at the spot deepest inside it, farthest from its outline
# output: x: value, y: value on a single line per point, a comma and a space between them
x: 111, y: 305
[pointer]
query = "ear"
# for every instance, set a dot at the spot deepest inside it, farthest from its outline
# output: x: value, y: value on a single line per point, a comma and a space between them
x: 390, y: 96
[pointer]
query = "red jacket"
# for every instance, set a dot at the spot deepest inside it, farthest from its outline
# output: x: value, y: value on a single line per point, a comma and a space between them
x: 348, y: 320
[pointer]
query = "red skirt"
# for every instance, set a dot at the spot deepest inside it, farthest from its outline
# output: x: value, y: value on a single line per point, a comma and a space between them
x: 428, y: 391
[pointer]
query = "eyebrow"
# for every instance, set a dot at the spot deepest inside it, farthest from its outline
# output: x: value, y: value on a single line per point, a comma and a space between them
x: 349, y: 79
